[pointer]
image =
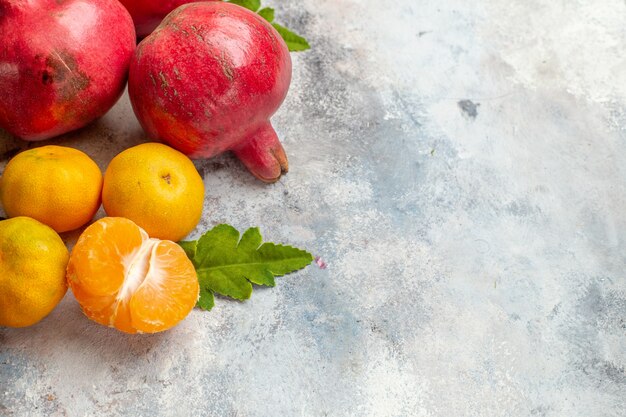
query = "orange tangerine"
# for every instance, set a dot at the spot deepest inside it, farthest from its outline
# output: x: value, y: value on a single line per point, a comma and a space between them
x: 56, y: 185
x: 124, y: 279
x: 157, y: 187
x: 32, y: 260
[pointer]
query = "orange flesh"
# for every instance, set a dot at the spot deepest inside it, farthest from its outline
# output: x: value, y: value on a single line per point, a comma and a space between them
x: 124, y: 279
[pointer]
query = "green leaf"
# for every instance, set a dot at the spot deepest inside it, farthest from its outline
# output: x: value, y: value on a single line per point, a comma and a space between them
x: 228, y: 265
x: 253, y: 5
x: 294, y: 42
x: 206, y: 300
x: 267, y: 13
x: 189, y: 247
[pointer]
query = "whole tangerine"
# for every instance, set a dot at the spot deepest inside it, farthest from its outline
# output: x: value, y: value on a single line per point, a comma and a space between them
x: 156, y: 187
x: 56, y: 185
x: 32, y: 260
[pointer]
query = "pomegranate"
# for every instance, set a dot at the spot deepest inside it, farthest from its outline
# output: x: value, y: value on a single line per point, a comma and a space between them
x: 208, y: 79
x: 62, y: 63
x: 147, y: 14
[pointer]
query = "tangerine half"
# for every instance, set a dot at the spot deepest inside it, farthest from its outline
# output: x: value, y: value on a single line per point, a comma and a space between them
x: 126, y: 280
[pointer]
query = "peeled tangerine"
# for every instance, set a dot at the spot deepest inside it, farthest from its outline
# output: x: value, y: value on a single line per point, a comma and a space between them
x: 124, y: 279
x: 63, y: 63
x: 208, y: 79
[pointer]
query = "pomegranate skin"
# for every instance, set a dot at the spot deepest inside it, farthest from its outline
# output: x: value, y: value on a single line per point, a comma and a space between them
x: 63, y: 64
x: 208, y: 79
x: 147, y: 14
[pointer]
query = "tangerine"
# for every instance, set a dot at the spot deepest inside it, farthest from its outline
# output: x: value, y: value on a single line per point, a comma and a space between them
x: 32, y: 260
x: 56, y: 185
x: 124, y: 279
x: 157, y: 187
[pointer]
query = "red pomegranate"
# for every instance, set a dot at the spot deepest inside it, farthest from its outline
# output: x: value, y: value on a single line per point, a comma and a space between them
x: 208, y: 79
x: 62, y: 63
x: 147, y: 14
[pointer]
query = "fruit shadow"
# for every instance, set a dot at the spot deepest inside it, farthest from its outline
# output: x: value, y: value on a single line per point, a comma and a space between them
x: 67, y: 335
x: 10, y: 146
x: 226, y: 168
x: 101, y: 139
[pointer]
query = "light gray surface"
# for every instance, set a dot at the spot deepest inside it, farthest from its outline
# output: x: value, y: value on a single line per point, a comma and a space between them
x: 461, y: 168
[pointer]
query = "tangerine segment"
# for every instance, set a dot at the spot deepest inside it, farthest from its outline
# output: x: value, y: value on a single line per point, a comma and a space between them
x: 96, y: 307
x: 100, y: 253
x: 124, y: 279
x: 169, y: 291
